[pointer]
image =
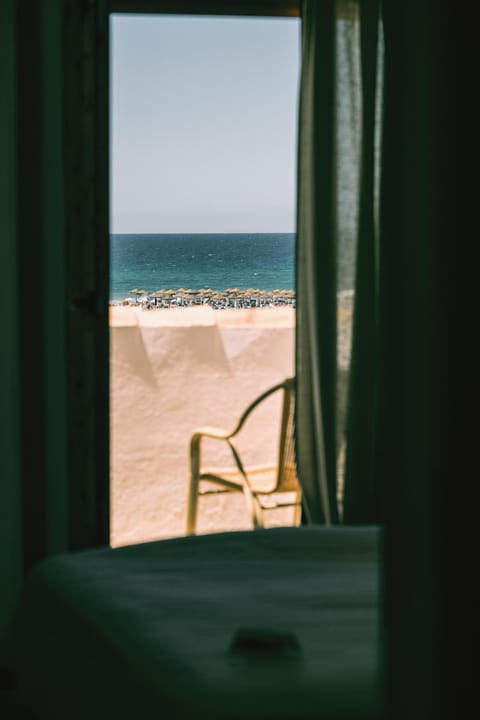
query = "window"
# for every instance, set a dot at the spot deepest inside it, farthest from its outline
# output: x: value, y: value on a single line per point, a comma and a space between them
x: 203, y: 140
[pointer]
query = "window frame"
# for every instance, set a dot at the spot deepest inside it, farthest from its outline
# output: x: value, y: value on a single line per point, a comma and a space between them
x: 89, y: 130
x: 259, y: 8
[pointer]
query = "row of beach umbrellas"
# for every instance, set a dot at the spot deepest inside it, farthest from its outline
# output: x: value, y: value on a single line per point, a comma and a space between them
x: 208, y: 294
x: 210, y: 291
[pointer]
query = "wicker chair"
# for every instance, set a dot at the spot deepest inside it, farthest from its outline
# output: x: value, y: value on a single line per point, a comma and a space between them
x: 259, y: 485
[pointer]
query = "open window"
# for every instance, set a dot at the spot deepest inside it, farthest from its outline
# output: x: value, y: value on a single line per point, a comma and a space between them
x: 203, y: 138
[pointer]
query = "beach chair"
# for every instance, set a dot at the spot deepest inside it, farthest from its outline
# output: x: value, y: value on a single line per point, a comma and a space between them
x: 264, y: 487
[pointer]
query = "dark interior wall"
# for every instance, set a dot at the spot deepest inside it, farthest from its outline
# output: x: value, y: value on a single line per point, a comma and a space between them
x: 10, y: 560
x: 54, y: 358
x: 54, y: 276
x: 429, y: 358
x: 41, y: 297
x: 408, y: 448
x: 33, y: 487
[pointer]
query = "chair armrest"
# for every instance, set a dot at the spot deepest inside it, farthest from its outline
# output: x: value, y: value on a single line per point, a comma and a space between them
x: 215, y: 434
x: 211, y: 432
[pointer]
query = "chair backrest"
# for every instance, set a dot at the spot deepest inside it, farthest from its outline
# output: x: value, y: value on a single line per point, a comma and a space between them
x: 287, y: 479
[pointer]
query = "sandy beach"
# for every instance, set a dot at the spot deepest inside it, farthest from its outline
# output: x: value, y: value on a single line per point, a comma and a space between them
x: 173, y: 370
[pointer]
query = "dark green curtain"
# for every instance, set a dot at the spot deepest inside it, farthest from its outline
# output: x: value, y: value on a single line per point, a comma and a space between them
x: 337, y: 258
x: 316, y: 266
x: 360, y: 491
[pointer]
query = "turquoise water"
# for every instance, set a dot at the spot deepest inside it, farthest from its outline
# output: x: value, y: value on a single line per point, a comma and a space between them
x: 217, y: 261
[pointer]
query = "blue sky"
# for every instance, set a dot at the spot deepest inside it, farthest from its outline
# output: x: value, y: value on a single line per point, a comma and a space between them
x: 203, y: 124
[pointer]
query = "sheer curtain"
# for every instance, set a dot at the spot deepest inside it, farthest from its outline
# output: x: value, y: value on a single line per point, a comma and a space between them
x: 337, y: 251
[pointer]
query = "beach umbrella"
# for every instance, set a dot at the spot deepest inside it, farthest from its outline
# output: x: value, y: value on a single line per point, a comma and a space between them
x: 169, y: 294
x: 179, y: 294
x: 238, y: 296
x: 157, y: 295
x: 190, y: 295
x: 203, y: 293
x: 137, y: 292
x: 253, y: 294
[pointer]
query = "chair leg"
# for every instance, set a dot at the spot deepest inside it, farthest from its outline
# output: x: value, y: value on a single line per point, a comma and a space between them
x: 192, y: 500
x: 258, y: 521
x: 297, y: 513
x: 253, y: 507
x: 192, y: 506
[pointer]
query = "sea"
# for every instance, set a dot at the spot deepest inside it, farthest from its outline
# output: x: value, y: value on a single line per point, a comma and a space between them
x: 218, y: 261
